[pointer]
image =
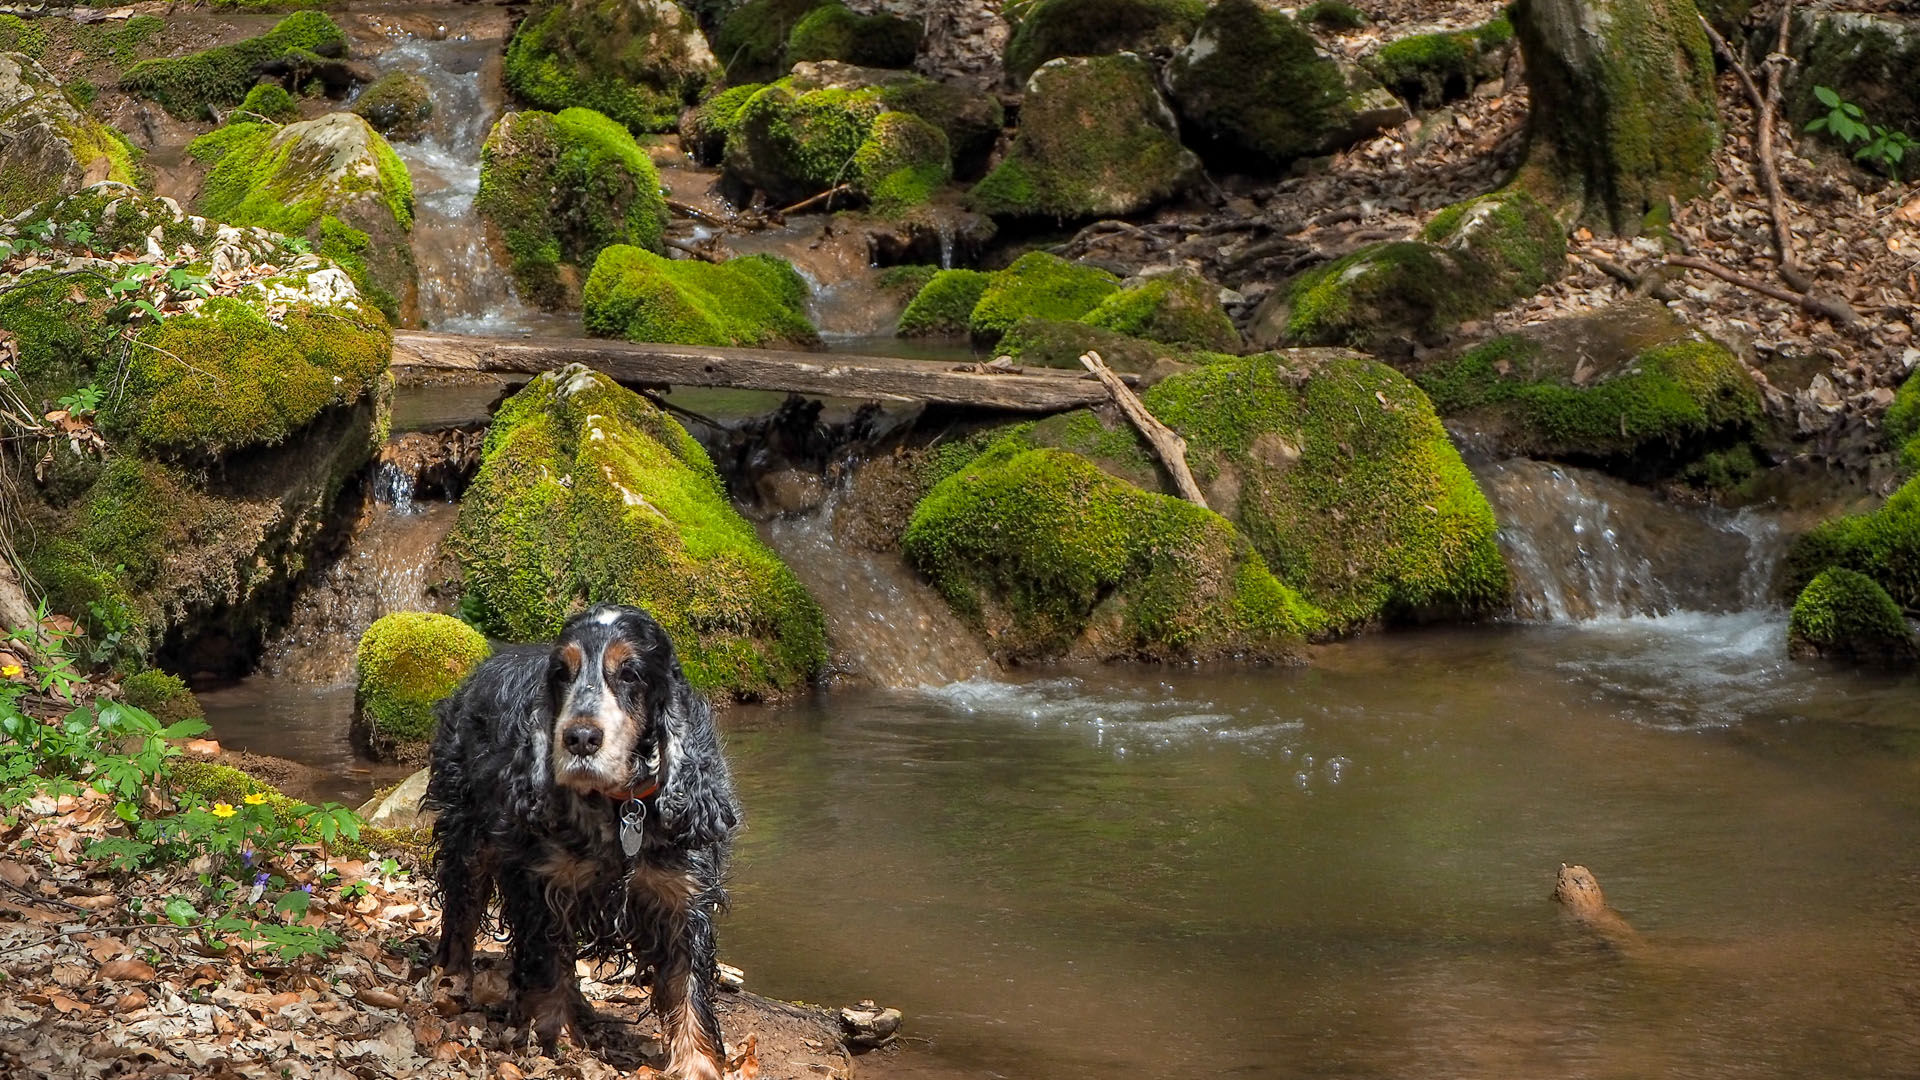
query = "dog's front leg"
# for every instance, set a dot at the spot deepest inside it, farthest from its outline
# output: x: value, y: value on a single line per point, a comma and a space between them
x: 683, y: 978
x: 544, y: 984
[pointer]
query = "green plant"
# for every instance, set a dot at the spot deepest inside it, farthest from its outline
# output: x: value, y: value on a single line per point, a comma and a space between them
x: 1882, y: 148
x: 84, y: 401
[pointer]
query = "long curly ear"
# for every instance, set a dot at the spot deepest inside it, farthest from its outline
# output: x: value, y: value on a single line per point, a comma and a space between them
x: 697, y: 804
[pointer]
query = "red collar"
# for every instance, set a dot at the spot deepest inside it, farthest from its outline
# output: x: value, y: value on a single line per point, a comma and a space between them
x: 635, y: 794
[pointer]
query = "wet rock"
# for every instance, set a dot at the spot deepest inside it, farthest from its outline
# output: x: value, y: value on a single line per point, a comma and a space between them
x: 400, y: 808
x: 931, y: 234
x: 637, y: 61
x: 868, y: 1026
x: 1844, y: 615
x: 436, y: 464
x: 397, y: 104
x: 51, y: 147
x: 1051, y: 29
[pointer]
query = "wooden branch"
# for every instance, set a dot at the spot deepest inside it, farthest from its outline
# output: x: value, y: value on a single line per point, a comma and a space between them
x: 862, y: 378
x: 1733, y: 61
x: 1777, y: 63
x: 1166, y: 443
x: 691, y: 251
x: 1838, y: 311
x: 804, y: 204
x: 688, y: 210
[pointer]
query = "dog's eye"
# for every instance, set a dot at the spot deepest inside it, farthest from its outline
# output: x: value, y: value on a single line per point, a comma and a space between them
x: 629, y: 676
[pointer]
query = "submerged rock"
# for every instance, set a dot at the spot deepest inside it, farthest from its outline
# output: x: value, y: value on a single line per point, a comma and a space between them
x: 1843, y: 615
x: 561, y: 188
x: 50, y: 147
x: 398, y: 105
x: 1051, y: 29
x: 405, y: 663
x: 1095, y: 138
x: 191, y: 87
x: 588, y: 493
x: 637, y: 61
x: 752, y: 300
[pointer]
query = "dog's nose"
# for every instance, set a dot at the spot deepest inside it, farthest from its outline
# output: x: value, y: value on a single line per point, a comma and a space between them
x: 583, y: 740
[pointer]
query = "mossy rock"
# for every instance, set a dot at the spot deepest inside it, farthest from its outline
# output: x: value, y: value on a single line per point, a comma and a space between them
x: 637, y: 61
x: 1902, y: 424
x: 1180, y: 308
x: 1870, y: 60
x: 52, y: 147
x: 901, y: 163
x: 1628, y: 388
x: 971, y: 120
x: 587, y: 493
x: 333, y: 180
x: 1056, y: 344
x: 1038, y: 286
x: 751, y: 40
x: 1472, y: 259
x: 1428, y: 70
x: 191, y: 87
x: 397, y: 104
x: 1333, y: 15
x: 1054, y: 28
x: 1095, y: 139
x: 833, y: 32
x: 269, y: 102
x: 1883, y: 544
x: 405, y: 663
x: 944, y: 305
x: 793, y: 144
x: 561, y: 188
x: 1047, y: 556
x: 163, y: 696
x: 1843, y: 615
x: 705, y: 129
x: 756, y: 300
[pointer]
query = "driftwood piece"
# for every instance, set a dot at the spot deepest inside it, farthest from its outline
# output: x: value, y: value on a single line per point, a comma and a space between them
x: 864, y: 378
x: 1166, y: 443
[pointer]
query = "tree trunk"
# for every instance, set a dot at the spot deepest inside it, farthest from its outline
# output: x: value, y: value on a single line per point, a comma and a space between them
x: 1623, y: 107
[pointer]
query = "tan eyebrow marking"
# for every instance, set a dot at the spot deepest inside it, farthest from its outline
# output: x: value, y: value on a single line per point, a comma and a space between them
x: 618, y: 652
x: 571, y: 656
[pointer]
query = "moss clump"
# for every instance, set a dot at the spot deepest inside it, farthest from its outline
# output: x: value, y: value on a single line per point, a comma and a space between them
x: 1095, y: 138
x: 1254, y: 86
x: 637, y: 61
x: 405, y: 663
x: 587, y: 493
x: 751, y: 41
x: 561, y: 188
x: 833, y: 32
x: 793, y: 144
x: 190, y: 87
x: 397, y: 104
x: 164, y: 696
x: 1039, y: 286
x: 1883, y: 544
x: 1427, y: 70
x: 971, y: 120
x: 1333, y: 15
x: 1053, y: 28
x: 902, y: 162
x: 944, y: 305
x: 752, y: 300
x: 1473, y: 258
x: 266, y: 102
x: 1844, y: 615
x: 1902, y: 424
x: 1051, y: 343
x: 705, y: 130
x: 17, y: 35
x: 1046, y: 555
x: 51, y: 146
x: 1174, y: 309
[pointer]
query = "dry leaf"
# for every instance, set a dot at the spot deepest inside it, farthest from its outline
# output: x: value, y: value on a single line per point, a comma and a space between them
x: 507, y: 1070
x: 378, y: 998
x: 131, y: 969
x: 68, y: 1005
x: 131, y: 1001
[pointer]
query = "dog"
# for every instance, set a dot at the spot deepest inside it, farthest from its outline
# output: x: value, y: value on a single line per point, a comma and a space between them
x: 583, y: 783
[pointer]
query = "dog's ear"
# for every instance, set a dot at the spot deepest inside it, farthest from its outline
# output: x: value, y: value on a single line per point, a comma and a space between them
x: 696, y: 803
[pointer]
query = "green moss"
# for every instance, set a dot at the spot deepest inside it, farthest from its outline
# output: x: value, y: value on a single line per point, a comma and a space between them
x: 396, y: 104
x: 58, y: 339
x: 20, y: 36
x: 794, y: 144
x: 226, y: 784
x: 1052, y: 343
x: 1883, y: 544
x: 1845, y: 615
x: 705, y: 130
x: 833, y: 32
x: 1041, y: 286
x: 971, y: 120
x: 1095, y: 138
x: 944, y: 305
x: 1255, y: 86
x: 1174, y: 309
x: 267, y: 101
x: 1902, y: 424
x: 588, y: 493
x: 639, y: 63
x: 165, y: 696
x: 902, y: 162
x: 751, y: 40
x: 752, y: 300
x: 405, y: 663
x: 52, y: 144
x: 561, y: 188
x: 1427, y: 70
x: 191, y: 86
x: 1333, y: 15
x: 1054, y: 28
x: 1047, y: 555
x: 906, y: 281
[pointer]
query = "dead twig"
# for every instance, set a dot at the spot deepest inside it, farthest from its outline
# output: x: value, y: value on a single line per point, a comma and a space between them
x: 1733, y: 61
x: 694, y: 252
x: 1776, y: 65
x: 825, y: 196
x: 1836, y: 310
x: 1165, y: 442
x: 687, y: 210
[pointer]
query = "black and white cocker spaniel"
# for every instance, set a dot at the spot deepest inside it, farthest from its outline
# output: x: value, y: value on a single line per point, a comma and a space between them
x: 584, y: 783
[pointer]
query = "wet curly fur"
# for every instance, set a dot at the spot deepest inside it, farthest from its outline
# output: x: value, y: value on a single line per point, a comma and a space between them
x: 538, y: 754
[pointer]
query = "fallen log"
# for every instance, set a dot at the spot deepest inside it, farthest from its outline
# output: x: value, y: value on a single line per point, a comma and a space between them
x: 863, y: 378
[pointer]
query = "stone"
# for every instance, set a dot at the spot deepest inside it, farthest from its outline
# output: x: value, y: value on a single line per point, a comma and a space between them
x: 51, y: 147
x: 400, y: 808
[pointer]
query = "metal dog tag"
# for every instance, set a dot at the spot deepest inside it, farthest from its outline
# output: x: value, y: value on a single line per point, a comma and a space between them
x: 632, y: 822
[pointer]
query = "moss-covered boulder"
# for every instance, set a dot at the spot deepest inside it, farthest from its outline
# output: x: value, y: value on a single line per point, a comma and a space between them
x: 751, y: 40
x: 1843, y: 615
x: 51, y: 147
x: 397, y: 104
x: 755, y: 300
x: 1472, y: 259
x: 1883, y: 544
x: 1868, y: 59
x: 1255, y: 93
x: 1047, y: 556
x: 405, y: 663
x: 1038, y: 286
x: 901, y: 163
x: 192, y: 86
x: 637, y: 61
x: 588, y: 493
x: 1095, y: 139
x: 1180, y: 308
x: 266, y: 102
x: 165, y: 697
x: 1055, y: 28
x: 833, y: 31
x: 705, y: 128
x: 944, y: 305
x: 1053, y: 343
x: 562, y: 187
x: 1428, y: 70
x: 333, y: 180
x: 1628, y: 388
x: 970, y: 120
x: 1902, y: 424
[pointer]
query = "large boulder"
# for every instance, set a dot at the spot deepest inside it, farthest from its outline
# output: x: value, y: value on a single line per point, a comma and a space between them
x: 191, y: 87
x: 757, y: 300
x: 1054, y: 28
x: 970, y: 120
x: 834, y: 31
x: 562, y: 187
x: 1095, y: 139
x: 1178, y: 308
x: 637, y: 61
x: 1844, y: 615
x: 793, y: 143
x: 588, y: 493
x: 406, y: 662
x: 1871, y: 60
x: 1038, y: 286
x: 51, y: 147
x: 333, y: 180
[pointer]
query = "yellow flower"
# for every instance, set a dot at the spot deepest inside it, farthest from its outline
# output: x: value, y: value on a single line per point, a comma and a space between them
x: 11, y: 671
x: 256, y: 799
x: 221, y: 809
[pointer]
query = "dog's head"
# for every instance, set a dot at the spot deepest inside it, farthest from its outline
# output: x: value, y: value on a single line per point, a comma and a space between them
x: 611, y: 681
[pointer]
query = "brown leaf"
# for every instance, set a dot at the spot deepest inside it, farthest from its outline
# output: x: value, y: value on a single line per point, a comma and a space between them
x: 130, y: 969
x: 378, y: 998
x: 101, y: 902
x: 131, y: 1001
x: 68, y: 1005
x: 281, y: 1001
x: 507, y: 1070
x: 103, y: 949
x: 12, y: 872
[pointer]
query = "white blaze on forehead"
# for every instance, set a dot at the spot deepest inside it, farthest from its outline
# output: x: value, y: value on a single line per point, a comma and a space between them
x: 607, y: 618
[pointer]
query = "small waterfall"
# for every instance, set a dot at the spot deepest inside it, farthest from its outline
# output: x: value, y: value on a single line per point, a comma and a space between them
x: 1585, y: 546
x: 946, y: 244
x: 883, y: 625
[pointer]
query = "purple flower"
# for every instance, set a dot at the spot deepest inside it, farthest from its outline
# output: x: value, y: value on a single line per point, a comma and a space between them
x: 260, y: 879
x: 247, y: 857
